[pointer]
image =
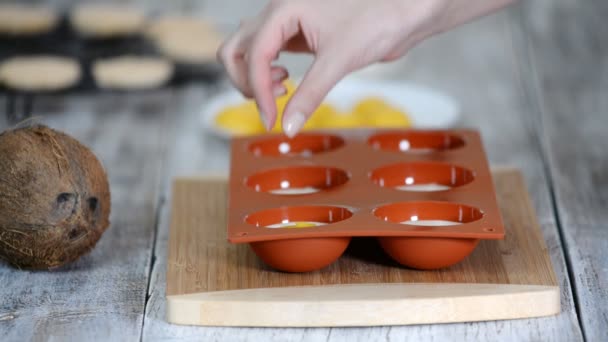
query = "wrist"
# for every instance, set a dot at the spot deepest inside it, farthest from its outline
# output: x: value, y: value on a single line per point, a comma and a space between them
x: 423, y: 18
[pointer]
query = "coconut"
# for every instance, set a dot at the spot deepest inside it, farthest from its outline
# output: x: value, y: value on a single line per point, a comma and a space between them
x: 54, y: 198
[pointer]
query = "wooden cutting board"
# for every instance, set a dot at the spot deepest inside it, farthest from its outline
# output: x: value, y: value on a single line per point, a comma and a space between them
x: 213, y: 282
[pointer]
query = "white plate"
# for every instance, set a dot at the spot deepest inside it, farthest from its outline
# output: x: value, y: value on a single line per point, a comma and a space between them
x: 428, y: 108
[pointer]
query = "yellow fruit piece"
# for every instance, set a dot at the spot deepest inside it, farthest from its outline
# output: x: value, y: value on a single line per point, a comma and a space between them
x: 370, y: 105
x: 240, y: 120
x: 390, y: 118
x: 302, y: 225
x: 277, y: 128
x: 322, y: 113
x: 248, y: 106
x: 281, y: 103
x: 375, y: 112
x: 290, y: 86
x: 341, y: 120
x: 244, y: 119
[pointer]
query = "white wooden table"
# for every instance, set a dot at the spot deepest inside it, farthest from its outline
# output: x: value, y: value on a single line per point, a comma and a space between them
x: 533, y: 79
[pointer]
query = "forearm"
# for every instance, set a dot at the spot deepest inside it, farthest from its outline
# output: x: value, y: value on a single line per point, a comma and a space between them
x: 461, y: 11
x: 344, y: 35
x: 458, y: 12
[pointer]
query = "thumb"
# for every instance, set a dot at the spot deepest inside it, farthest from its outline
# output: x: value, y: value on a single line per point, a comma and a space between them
x: 323, y: 75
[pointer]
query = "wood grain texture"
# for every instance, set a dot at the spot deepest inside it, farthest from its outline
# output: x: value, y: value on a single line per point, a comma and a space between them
x: 493, y: 100
x: 213, y: 282
x: 101, y: 296
x: 202, y: 259
x: 363, y: 305
x: 568, y: 53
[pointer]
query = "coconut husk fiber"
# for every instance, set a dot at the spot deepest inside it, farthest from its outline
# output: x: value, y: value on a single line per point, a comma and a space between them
x: 54, y: 198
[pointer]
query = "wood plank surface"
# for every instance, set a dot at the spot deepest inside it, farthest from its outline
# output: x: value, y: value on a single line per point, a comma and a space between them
x: 213, y: 282
x: 493, y: 100
x: 569, y: 54
x: 101, y: 296
x: 363, y: 305
x: 202, y: 260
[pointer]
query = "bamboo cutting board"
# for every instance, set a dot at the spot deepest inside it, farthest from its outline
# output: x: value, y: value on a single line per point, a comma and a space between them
x: 213, y: 282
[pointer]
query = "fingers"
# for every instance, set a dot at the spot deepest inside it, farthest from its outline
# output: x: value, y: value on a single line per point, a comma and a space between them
x: 232, y: 55
x: 321, y: 77
x: 248, y: 55
x: 264, y: 49
x: 278, y: 74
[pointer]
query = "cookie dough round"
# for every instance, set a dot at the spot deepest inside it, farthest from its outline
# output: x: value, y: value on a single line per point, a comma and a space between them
x: 189, y: 49
x: 107, y: 20
x: 185, y: 39
x: 132, y: 72
x: 39, y: 73
x: 176, y: 24
x: 20, y: 19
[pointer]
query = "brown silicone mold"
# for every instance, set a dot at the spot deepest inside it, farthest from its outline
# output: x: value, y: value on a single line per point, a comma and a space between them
x: 427, y: 196
x: 305, y: 254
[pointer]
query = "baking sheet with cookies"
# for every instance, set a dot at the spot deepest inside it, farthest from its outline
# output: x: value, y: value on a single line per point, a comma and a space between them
x: 92, y: 47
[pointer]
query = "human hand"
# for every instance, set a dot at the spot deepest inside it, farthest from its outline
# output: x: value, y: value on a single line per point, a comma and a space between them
x: 344, y: 35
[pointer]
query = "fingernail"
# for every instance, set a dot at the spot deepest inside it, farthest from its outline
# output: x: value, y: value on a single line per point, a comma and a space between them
x: 277, y: 75
x: 294, y: 123
x: 264, y: 120
x: 279, y: 91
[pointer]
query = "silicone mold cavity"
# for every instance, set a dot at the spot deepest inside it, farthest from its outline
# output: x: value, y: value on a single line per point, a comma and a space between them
x: 428, y: 253
x: 302, y: 145
x: 422, y: 176
x: 311, y: 213
x: 304, y: 254
x: 423, y: 211
x: 297, y: 180
x: 416, y: 141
